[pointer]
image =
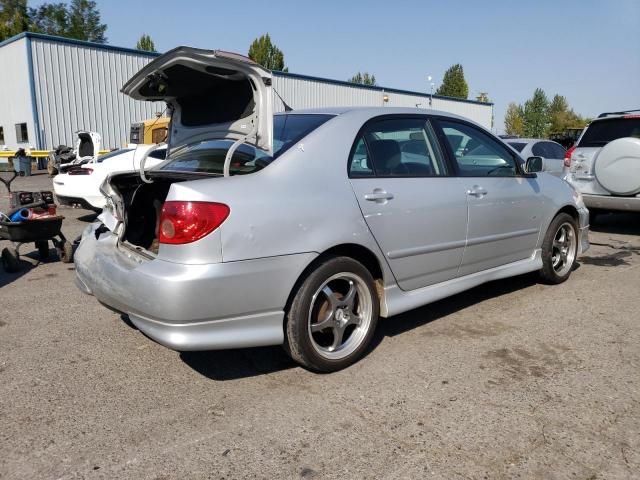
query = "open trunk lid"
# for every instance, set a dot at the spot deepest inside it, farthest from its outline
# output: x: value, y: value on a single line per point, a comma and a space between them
x: 87, y: 146
x: 213, y: 95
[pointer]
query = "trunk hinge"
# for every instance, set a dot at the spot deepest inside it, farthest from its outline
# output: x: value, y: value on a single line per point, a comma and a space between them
x: 143, y: 160
x: 227, y: 159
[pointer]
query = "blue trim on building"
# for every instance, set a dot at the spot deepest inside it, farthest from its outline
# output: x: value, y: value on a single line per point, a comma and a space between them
x: 34, y: 105
x: 82, y: 43
x: 376, y: 87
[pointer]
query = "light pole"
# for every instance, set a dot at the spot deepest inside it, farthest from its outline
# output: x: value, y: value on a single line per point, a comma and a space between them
x: 431, y: 85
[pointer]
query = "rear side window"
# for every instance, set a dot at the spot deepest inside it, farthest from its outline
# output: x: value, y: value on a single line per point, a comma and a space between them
x: 519, y: 146
x: 601, y: 132
x: 397, y: 147
x: 208, y: 156
x: 555, y: 150
x: 540, y: 150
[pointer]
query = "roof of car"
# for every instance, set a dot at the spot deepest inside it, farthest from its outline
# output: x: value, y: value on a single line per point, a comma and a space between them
x: 374, y: 111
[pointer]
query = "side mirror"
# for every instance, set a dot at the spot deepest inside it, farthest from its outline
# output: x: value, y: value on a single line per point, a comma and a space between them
x: 533, y: 165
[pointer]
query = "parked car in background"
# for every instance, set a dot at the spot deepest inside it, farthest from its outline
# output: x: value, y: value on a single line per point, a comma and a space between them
x: 80, y: 185
x: 303, y: 228
x: 604, y: 165
x: 86, y: 150
x: 552, y: 153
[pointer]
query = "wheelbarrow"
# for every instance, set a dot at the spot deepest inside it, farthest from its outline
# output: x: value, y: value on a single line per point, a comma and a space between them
x: 39, y: 231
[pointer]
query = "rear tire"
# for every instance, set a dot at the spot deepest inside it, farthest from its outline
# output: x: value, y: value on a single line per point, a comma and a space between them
x: 559, y: 249
x: 10, y: 260
x: 333, y: 315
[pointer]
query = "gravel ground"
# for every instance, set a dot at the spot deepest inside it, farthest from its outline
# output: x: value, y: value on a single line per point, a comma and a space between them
x: 513, y: 379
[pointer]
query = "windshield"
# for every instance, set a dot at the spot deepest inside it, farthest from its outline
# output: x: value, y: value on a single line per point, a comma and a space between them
x: 518, y: 146
x: 208, y: 156
x: 601, y: 132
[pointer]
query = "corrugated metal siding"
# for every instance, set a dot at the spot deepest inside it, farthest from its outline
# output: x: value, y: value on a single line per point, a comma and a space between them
x: 302, y: 93
x: 15, y: 93
x: 78, y: 88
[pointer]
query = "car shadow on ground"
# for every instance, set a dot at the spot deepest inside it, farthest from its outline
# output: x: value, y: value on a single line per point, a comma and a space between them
x: 249, y: 362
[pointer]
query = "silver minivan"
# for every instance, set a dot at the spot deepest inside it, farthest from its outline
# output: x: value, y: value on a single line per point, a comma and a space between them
x: 302, y: 228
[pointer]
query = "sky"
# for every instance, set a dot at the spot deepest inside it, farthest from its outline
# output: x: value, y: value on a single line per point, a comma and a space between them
x: 586, y: 50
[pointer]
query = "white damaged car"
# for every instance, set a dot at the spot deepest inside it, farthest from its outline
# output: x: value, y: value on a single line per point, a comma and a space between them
x: 80, y: 185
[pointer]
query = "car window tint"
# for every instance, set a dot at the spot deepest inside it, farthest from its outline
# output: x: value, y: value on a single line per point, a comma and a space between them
x: 601, y: 132
x: 539, y: 149
x: 555, y: 150
x: 160, y: 154
x: 397, y: 147
x: 476, y: 153
x: 519, y: 146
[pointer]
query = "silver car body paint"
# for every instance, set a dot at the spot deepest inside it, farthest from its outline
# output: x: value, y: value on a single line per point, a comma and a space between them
x: 230, y: 288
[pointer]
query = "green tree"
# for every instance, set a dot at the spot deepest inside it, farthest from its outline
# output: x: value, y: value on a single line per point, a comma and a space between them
x: 264, y: 52
x: 14, y: 18
x: 49, y: 18
x: 453, y: 83
x: 145, y: 43
x: 363, y: 79
x: 562, y: 117
x: 84, y: 22
x: 513, y: 120
x: 537, y: 118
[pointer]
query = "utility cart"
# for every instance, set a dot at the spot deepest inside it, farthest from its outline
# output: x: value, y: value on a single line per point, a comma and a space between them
x: 37, y: 230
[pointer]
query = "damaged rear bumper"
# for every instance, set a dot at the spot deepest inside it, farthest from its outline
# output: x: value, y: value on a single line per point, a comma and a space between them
x: 191, y: 307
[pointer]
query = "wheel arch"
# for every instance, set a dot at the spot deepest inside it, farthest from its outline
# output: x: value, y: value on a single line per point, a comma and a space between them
x: 355, y: 251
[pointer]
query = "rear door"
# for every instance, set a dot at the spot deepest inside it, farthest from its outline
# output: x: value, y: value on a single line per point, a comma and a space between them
x: 416, y: 210
x: 504, y: 207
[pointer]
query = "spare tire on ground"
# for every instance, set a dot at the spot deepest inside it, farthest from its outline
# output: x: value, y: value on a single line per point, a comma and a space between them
x: 617, y: 166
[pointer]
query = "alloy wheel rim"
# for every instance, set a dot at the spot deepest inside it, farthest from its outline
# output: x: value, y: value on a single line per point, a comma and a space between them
x: 340, y: 316
x: 563, y: 251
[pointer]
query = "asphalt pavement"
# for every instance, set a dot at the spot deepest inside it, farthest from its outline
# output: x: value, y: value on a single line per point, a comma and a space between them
x: 513, y: 379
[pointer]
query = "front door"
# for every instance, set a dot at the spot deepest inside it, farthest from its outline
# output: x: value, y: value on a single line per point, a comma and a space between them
x: 504, y: 206
x: 415, y: 208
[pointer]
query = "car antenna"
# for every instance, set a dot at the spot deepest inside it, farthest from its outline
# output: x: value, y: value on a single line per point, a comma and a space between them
x: 287, y: 108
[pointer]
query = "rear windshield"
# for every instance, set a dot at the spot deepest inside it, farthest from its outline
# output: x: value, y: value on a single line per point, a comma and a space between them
x: 115, y: 153
x: 517, y: 146
x: 208, y: 156
x: 601, y: 132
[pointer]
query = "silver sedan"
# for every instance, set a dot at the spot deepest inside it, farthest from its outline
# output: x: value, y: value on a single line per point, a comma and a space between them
x: 302, y: 228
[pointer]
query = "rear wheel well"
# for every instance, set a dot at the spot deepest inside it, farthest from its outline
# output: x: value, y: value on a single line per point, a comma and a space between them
x: 357, y: 252
x: 571, y: 211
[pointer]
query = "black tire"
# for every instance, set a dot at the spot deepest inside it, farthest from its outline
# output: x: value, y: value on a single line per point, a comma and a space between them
x: 43, y: 249
x: 558, y: 257
x: 350, y: 321
x: 66, y: 252
x: 10, y: 260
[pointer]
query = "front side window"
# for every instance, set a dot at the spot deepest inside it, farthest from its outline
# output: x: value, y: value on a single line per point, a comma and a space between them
x: 208, y: 156
x: 22, y: 134
x: 476, y: 153
x: 397, y: 147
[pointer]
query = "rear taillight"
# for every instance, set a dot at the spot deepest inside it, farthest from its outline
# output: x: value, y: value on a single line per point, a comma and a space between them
x: 186, y: 222
x: 567, y: 156
x: 80, y: 171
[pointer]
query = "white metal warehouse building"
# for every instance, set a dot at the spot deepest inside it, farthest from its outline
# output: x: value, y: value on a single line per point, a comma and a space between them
x: 52, y: 87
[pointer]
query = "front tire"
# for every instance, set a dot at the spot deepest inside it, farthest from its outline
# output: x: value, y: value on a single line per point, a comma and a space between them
x: 559, y: 249
x: 333, y: 315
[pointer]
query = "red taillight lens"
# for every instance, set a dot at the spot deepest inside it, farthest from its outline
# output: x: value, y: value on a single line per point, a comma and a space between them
x: 80, y: 171
x: 186, y: 222
x: 567, y: 156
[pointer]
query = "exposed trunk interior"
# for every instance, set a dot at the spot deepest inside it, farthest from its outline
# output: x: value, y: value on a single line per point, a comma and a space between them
x: 143, y: 205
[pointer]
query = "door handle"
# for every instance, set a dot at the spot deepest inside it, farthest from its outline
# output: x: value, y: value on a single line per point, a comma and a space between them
x: 477, y: 191
x: 379, y: 196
